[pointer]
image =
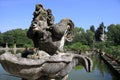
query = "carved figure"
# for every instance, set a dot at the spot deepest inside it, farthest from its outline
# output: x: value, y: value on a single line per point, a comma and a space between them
x: 47, y: 61
x: 45, y: 32
x: 55, y: 37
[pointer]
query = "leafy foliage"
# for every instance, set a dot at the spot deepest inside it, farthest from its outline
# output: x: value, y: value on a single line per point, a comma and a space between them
x: 114, y: 33
x: 1, y: 38
x: 86, y: 38
x: 17, y: 36
x: 78, y: 46
x: 114, y: 51
x: 92, y: 28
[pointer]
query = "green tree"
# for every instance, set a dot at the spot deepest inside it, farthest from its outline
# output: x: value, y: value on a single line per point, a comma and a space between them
x: 77, y: 34
x: 80, y: 35
x: 78, y: 46
x: 86, y: 38
x: 89, y: 37
x: 1, y: 38
x: 8, y: 38
x: 18, y: 37
x: 113, y: 33
x: 92, y: 28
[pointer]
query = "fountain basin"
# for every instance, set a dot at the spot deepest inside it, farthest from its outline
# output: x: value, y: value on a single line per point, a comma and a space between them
x: 51, y: 66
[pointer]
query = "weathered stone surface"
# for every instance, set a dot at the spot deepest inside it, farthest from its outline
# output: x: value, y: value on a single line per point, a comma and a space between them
x: 51, y: 66
x: 50, y: 17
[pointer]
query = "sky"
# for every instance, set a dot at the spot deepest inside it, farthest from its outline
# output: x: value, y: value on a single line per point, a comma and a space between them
x: 84, y: 13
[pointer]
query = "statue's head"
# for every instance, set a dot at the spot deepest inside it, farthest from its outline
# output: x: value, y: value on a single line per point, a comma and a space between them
x: 39, y: 30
